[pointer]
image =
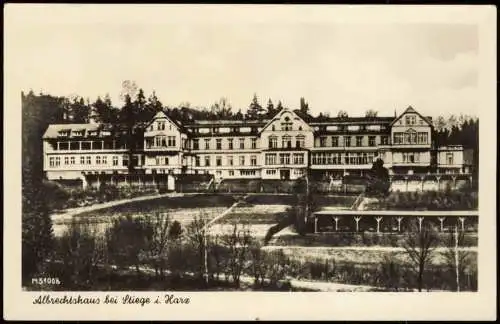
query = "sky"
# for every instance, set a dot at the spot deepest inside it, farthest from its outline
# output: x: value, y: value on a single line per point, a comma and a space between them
x: 334, y: 65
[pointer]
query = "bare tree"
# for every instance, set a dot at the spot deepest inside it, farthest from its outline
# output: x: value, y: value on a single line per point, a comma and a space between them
x: 197, y: 236
x: 419, y: 245
x: 457, y: 261
x: 259, y: 265
x: 216, y: 251
x: 158, y: 240
x: 238, y: 244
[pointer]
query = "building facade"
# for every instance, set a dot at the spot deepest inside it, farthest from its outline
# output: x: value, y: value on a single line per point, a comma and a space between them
x: 284, y: 147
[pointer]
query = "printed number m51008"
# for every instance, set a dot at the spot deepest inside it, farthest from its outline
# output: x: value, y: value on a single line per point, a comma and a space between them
x: 45, y: 281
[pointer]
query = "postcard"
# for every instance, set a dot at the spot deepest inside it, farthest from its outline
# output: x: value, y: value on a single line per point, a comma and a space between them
x: 249, y: 162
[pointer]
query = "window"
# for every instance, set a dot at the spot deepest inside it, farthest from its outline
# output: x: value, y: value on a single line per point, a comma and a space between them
x: 63, y: 145
x: 449, y: 158
x: 273, y: 128
x: 410, y: 157
x: 298, y: 158
x: 161, y: 125
x: 97, y: 145
x: 242, y: 160
x: 160, y: 160
x: 218, y: 161
x: 207, y: 160
x: 284, y: 158
x: 74, y: 146
x: 347, y: 141
x: 218, y: 144
x: 286, y: 141
x: 411, y: 119
x: 271, y: 172
x: 247, y: 172
x: 86, y: 145
x: 371, y: 140
x: 300, y: 141
x: 52, y: 161
x: 215, y: 130
x: 359, y: 140
x: 171, y: 141
x: 115, y: 160
x: 398, y: 138
x: 82, y: 159
x: 322, y: 141
x: 242, y: 143
x: 207, y: 143
x: 270, y: 159
x: 97, y: 160
x: 104, y: 160
x: 286, y: 125
x: 196, y: 144
x: 231, y: 173
x: 254, y: 143
x: 160, y: 141
x: 230, y: 160
x: 125, y: 160
x: 66, y: 160
x: 230, y: 143
x: 273, y: 142
x: 335, y: 141
x: 57, y: 161
x: 422, y: 138
x: 253, y: 160
x: 72, y: 160
x: 384, y: 140
x: 410, y: 137
x: 197, y: 161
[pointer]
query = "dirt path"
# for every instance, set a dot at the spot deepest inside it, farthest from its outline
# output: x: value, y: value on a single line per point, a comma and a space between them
x: 307, y: 284
x: 69, y: 213
x: 227, y: 211
x: 357, y: 248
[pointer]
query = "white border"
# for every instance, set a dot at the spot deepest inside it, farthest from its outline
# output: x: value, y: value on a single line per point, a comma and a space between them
x: 313, y: 306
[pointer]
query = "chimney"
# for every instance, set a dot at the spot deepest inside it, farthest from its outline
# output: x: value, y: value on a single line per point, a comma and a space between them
x: 395, y: 115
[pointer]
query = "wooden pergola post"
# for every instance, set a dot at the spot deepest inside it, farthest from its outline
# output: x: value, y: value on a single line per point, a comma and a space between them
x: 441, y: 220
x: 399, y: 219
x: 420, y: 220
x: 378, y: 219
x: 357, y: 219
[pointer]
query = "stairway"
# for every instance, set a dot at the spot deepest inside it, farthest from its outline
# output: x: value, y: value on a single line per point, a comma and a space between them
x: 358, y: 202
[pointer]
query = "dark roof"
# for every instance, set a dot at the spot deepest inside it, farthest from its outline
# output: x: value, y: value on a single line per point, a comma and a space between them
x: 349, y: 120
x: 228, y: 122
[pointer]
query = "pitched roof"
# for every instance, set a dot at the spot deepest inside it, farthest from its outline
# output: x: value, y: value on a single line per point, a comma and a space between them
x: 54, y: 130
x: 410, y: 109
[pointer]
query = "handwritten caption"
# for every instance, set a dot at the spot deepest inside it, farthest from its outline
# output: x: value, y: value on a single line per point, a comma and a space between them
x: 110, y: 300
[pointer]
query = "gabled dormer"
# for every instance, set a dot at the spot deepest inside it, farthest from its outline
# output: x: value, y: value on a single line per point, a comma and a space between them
x: 286, y: 120
x: 286, y: 130
x: 411, y: 129
x: 163, y: 133
x: 411, y: 118
x: 161, y: 122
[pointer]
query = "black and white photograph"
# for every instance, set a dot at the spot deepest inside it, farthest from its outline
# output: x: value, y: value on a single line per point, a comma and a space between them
x: 172, y: 150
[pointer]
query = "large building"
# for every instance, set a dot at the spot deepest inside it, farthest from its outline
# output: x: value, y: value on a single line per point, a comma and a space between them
x: 283, y: 147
